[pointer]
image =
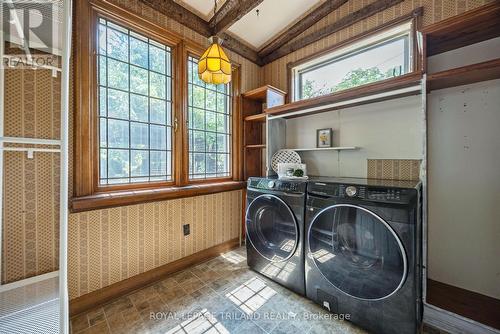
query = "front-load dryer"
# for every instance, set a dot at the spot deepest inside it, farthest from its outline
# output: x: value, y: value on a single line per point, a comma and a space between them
x: 362, y: 249
x: 275, y: 230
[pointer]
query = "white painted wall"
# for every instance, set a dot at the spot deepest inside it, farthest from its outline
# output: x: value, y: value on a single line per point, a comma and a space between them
x: 384, y: 130
x: 464, y: 187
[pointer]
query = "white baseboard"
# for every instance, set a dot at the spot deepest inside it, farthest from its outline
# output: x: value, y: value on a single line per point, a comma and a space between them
x: 454, y: 323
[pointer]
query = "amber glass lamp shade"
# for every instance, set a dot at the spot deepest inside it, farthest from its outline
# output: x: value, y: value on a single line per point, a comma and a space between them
x: 214, y: 66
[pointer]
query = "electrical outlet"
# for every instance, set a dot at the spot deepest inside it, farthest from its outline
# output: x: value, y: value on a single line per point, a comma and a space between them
x: 186, y: 229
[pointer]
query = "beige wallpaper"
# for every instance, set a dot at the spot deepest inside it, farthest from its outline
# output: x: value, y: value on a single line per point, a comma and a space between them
x: 30, y: 238
x: 106, y: 246
x: 31, y: 186
x: 394, y: 169
x: 434, y: 10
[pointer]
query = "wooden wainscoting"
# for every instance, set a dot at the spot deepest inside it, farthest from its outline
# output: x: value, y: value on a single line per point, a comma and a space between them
x: 107, y: 294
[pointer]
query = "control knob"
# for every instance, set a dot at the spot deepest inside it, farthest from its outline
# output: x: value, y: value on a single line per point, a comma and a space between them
x: 271, y: 184
x: 351, y: 191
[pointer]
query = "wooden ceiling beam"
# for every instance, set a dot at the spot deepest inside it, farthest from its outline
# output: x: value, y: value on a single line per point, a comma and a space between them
x: 230, y: 12
x: 182, y: 15
x: 344, y: 22
x: 233, y: 44
x: 308, y: 21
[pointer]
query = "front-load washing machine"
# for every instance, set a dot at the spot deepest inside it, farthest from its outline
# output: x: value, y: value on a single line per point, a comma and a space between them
x: 363, y: 253
x: 275, y: 230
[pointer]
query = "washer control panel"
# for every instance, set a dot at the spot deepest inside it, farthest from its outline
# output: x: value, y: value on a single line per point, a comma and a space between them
x: 279, y: 185
x: 389, y: 194
x: 370, y: 193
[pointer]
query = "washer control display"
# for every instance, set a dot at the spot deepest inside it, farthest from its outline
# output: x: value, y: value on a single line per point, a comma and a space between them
x: 385, y: 194
x: 279, y: 185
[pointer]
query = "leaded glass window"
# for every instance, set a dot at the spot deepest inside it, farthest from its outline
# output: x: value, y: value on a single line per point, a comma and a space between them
x: 135, y: 106
x: 209, y: 127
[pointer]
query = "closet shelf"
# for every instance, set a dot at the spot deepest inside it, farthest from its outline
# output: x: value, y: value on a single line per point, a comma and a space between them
x: 30, y: 141
x: 464, y: 75
x: 256, y: 118
x: 339, y: 148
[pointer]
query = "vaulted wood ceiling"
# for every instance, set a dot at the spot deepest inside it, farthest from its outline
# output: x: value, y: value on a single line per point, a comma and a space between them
x: 263, y: 30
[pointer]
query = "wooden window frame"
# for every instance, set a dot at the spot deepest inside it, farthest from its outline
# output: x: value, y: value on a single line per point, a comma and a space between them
x: 417, y: 63
x: 88, y: 193
x: 94, y: 87
x: 196, y: 52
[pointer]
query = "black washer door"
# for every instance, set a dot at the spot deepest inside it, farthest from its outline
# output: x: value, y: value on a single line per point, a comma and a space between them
x: 357, y: 252
x: 272, y: 228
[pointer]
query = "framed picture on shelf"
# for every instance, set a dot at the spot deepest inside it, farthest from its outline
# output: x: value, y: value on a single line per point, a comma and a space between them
x: 324, y: 138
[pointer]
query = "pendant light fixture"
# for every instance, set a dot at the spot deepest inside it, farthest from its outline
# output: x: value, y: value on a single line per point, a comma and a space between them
x: 214, y: 66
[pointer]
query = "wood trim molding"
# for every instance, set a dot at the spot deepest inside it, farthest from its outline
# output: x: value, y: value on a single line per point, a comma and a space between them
x: 469, y: 304
x: 306, y: 22
x: 118, y: 289
x: 488, y: 70
x: 131, y: 197
x: 237, y: 121
x: 344, y: 22
x: 134, y: 21
x: 230, y: 12
x: 83, y: 161
x: 414, y: 15
x: 449, y: 322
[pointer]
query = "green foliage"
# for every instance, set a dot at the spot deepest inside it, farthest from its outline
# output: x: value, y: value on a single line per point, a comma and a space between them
x: 359, y: 77
x: 353, y: 78
x: 308, y: 91
x: 140, y: 92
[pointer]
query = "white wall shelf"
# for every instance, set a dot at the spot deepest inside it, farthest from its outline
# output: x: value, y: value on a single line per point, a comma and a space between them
x: 341, y: 148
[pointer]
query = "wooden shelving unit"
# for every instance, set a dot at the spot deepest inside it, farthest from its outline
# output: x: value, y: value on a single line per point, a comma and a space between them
x: 471, y: 27
x: 257, y: 146
x: 405, y: 85
x: 254, y: 119
x: 268, y: 94
x: 488, y: 70
x: 459, y: 31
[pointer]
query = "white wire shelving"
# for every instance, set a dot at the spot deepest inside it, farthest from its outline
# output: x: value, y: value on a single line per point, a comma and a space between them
x: 39, y: 304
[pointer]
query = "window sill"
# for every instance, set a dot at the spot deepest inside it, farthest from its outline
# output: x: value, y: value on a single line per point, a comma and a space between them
x: 130, y: 197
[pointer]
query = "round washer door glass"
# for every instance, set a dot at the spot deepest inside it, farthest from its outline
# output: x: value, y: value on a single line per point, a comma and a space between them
x: 272, y: 228
x: 357, y: 252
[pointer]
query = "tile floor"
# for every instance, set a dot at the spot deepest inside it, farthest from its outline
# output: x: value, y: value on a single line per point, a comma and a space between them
x: 218, y: 296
